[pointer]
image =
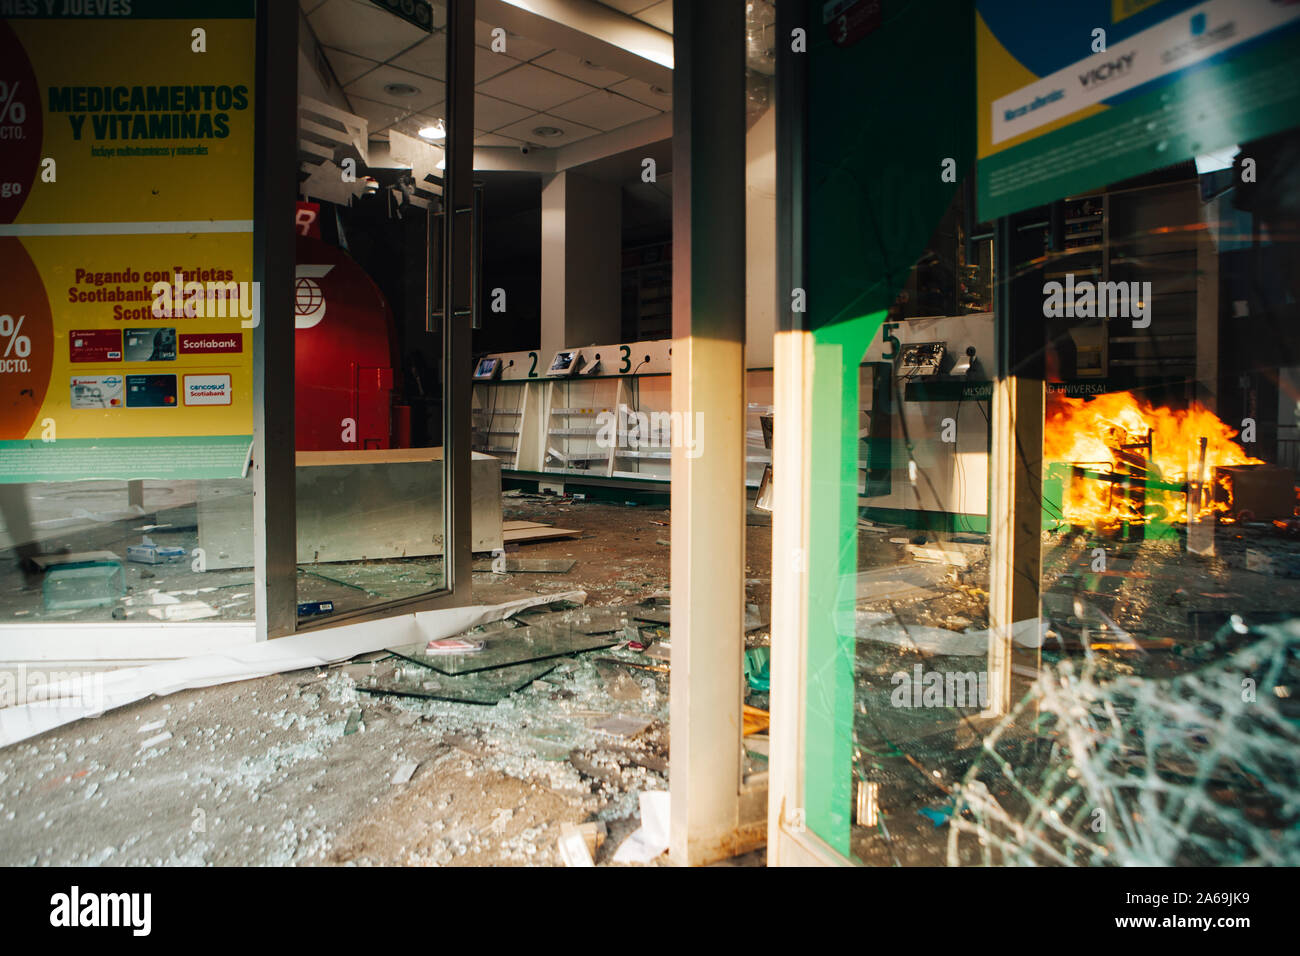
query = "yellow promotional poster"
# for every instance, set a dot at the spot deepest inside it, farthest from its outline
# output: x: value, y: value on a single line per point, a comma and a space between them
x: 127, y: 302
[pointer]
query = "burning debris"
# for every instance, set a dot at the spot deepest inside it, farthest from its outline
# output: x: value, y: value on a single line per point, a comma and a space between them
x: 1130, y: 462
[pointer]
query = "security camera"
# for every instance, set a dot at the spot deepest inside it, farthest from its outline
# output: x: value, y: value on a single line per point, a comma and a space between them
x: 525, y: 149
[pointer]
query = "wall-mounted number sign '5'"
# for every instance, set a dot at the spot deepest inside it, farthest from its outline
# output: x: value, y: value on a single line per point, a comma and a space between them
x: 886, y: 335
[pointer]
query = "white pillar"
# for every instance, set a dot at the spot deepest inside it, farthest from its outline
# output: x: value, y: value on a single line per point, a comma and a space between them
x: 708, y: 491
x: 582, y: 261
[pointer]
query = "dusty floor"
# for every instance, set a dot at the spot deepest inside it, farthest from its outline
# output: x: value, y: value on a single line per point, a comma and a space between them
x: 279, y: 771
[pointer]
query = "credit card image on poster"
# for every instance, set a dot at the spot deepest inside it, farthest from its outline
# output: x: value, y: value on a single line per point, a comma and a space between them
x: 151, y: 391
x: 96, y: 391
x: 95, y: 345
x: 150, y: 345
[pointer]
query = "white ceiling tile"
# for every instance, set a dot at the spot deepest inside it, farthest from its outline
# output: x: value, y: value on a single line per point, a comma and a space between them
x: 604, y: 110
x: 378, y: 115
x: 428, y: 58
x: 519, y: 47
x: 363, y: 29
x: 577, y: 68
x: 372, y: 85
x: 571, y: 132
x: 348, y: 67
x: 496, y: 139
x: 532, y: 86
x: 660, y: 15
x: 643, y: 92
x: 412, y: 123
x: 488, y: 64
x: 491, y: 114
x: 628, y: 6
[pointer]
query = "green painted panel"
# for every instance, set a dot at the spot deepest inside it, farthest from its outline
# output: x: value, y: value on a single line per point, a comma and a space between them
x: 885, y: 112
x: 125, y: 459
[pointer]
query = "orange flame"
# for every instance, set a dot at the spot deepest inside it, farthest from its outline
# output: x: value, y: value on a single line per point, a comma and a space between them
x: 1090, y: 433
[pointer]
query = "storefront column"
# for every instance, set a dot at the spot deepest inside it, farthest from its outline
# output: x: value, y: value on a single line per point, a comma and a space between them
x: 1016, y: 465
x: 708, y: 491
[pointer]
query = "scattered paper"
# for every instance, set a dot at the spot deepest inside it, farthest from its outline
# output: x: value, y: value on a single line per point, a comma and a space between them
x: 184, y: 611
x: 573, y: 847
x: 651, y: 840
x: 454, y: 645
x: 621, y: 726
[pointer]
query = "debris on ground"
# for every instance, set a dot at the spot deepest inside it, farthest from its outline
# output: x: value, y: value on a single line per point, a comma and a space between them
x: 651, y: 840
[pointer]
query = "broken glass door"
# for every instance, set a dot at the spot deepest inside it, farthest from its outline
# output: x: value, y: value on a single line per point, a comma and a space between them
x: 370, y: 413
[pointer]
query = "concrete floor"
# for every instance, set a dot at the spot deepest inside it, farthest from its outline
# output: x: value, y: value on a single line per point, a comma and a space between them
x: 263, y: 772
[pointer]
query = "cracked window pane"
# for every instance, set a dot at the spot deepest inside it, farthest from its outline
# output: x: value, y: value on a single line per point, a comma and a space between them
x: 405, y: 679
x: 1129, y: 699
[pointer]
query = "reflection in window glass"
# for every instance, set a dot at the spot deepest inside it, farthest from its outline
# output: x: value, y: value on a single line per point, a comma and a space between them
x: 1152, y: 717
x: 921, y: 619
x: 141, y: 551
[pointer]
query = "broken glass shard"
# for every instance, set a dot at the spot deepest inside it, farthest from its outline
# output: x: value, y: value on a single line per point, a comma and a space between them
x: 404, y: 679
x: 527, y: 565
x: 507, y: 647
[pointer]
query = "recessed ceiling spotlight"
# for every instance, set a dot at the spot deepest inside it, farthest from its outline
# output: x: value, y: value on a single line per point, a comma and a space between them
x: 659, y: 89
x: 547, y: 131
x: 438, y: 131
x: 400, y: 89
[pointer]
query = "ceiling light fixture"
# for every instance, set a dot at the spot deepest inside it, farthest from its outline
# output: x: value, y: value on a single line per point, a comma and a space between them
x: 547, y: 131
x: 437, y: 131
x: 400, y: 89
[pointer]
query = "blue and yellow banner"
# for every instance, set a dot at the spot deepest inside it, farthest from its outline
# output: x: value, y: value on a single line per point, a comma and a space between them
x: 1073, y: 96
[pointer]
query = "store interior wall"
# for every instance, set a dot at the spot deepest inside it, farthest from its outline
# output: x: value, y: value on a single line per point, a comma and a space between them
x: 581, y: 253
x: 582, y: 222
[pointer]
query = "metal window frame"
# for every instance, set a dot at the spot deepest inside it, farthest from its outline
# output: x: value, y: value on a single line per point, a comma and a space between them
x: 788, y: 840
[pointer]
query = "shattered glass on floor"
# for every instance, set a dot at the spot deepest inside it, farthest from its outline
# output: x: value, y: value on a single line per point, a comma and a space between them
x: 404, y: 679
x: 505, y: 646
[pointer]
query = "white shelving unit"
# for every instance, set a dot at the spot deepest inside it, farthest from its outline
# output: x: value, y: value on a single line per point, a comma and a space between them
x: 499, y: 411
x: 543, y: 426
x: 572, y: 445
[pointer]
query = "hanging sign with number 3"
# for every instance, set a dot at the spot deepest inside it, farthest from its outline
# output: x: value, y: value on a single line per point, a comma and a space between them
x: 848, y: 21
